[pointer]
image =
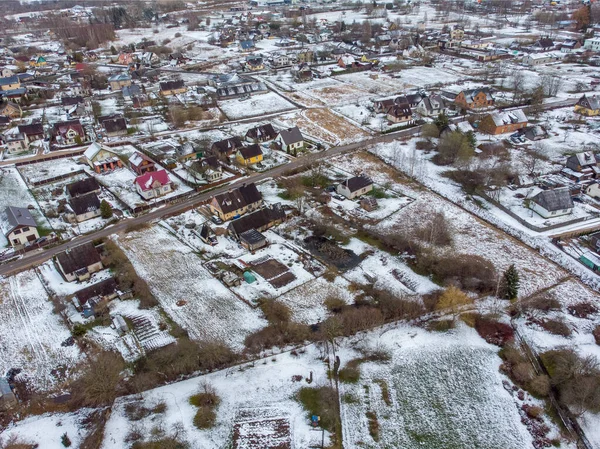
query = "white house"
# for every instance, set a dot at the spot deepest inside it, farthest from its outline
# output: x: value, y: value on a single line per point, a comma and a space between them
x: 356, y: 186
x: 552, y: 203
x: 18, y: 226
x: 79, y: 263
x: 153, y: 184
x: 291, y: 139
x: 592, y: 44
x: 430, y: 106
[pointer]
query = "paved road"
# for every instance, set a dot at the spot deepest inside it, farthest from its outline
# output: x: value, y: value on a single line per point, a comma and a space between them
x: 35, y: 258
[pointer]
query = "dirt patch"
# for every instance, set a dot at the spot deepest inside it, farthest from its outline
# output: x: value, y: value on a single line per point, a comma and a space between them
x: 262, y: 434
x: 326, y: 249
x: 282, y: 280
x: 276, y: 273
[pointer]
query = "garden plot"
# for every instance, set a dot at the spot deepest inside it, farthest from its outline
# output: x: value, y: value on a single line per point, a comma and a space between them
x: 14, y: 192
x: 32, y: 333
x: 42, y: 171
x: 257, y: 397
x: 325, y: 126
x: 387, y: 205
x: 438, y: 390
x: 256, y: 105
x: 338, y: 94
x: 280, y: 267
x: 360, y: 113
x: 186, y: 291
x: 426, y: 77
x: 386, y: 272
x: 144, y: 333
x: 374, y: 84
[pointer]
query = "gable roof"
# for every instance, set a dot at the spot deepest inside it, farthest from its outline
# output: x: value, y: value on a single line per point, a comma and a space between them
x: 31, y: 130
x: 102, y: 288
x: 591, y: 102
x: 356, y: 183
x: 81, y: 256
x: 82, y: 187
x: 149, y: 178
x: 94, y: 149
x: 508, y: 117
x: 584, y: 158
x: 472, y: 93
x: 137, y: 159
x: 261, y: 132
x: 227, y: 145
x: 399, y: 110
x: 14, y: 217
x: 83, y: 204
x: 554, y: 199
x: 9, y: 80
x: 238, y: 198
x: 257, y: 220
x: 250, y: 151
x: 291, y: 135
x: 70, y: 101
x: 115, y: 125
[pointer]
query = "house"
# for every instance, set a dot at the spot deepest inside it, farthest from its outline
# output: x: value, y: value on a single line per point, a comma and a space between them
x: 10, y: 83
x: 222, y: 149
x: 457, y: 33
x: 5, y: 72
x: 10, y: 109
x: 130, y: 92
x: 18, y: 226
x: 101, y: 158
x: 254, y: 63
x: 588, y: 106
x: 84, y: 207
x: 503, y: 122
x: 552, y: 203
x: 279, y: 61
x: 125, y: 59
x: 590, y: 260
x: 233, y: 85
x: 118, y: 81
x: 37, y: 61
x: 209, y: 167
x: 70, y: 132
x: 169, y: 88
x: 236, y: 202
x: 153, y: 184
x: 78, y: 263
x: 302, y: 73
x: 34, y: 132
x: 206, y: 235
x: 570, y: 45
x: 115, y: 127
x: 290, y: 140
x: 262, y: 133
x: 83, y: 187
x: 593, y: 190
x: 16, y: 143
x: 535, y: 59
x: 260, y: 220
x: 249, y: 155
x: 543, y: 44
x: 582, y: 166
x: 430, y: 106
x: 140, y: 163
x: 400, y: 113
x: 247, y: 45
x: 595, y: 241
x: 354, y: 187
x: 475, y: 98
x: 592, y: 44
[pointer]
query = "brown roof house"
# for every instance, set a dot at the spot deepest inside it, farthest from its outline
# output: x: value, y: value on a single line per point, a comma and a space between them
x: 34, y: 132
x: 83, y: 187
x: 475, y: 98
x: 400, y: 113
x: 262, y: 133
x: 115, y: 127
x: 236, y: 202
x: 503, y: 122
x: 140, y: 163
x: 225, y: 148
x: 77, y: 264
x: 84, y: 207
x: 169, y: 88
x: 354, y: 187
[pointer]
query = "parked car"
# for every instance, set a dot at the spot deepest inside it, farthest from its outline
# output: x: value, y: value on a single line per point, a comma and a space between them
x: 216, y: 220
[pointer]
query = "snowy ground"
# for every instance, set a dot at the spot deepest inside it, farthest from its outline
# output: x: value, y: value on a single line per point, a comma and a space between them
x: 255, y: 106
x: 41, y: 171
x: 445, y: 390
x: 262, y: 390
x: 207, y: 309
x: 32, y: 333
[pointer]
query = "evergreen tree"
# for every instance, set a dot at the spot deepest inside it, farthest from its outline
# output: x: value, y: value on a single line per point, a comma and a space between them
x: 105, y: 209
x: 510, y: 283
x: 441, y: 121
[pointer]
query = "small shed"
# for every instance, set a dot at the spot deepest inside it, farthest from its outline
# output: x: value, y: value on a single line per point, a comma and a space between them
x: 7, y: 397
x: 252, y: 240
x: 120, y: 324
x: 368, y: 203
x: 249, y: 277
x: 590, y: 260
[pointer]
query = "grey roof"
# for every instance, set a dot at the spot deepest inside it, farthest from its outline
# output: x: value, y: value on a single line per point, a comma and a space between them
x: 554, y: 199
x: 4, y: 387
x: 14, y: 217
x: 357, y: 183
x: 81, y: 256
x: 9, y: 80
x: 291, y: 135
x: 85, y: 203
x: 252, y: 237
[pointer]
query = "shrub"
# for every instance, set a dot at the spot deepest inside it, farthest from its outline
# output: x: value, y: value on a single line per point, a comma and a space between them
x: 596, y: 334
x: 556, y: 327
x: 275, y: 311
x: 582, y: 310
x: 424, y: 145
x: 334, y: 304
x: 436, y: 231
x: 542, y: 303
x: 441, y: 325
x: 468, y: 272
x: 373, y: 425
x: 205, y: 418
x: 206, y: 398
x: 164, y: 443
x: 97, y: 386
x: 350, y: 373
x: 277, y: 335
x: 470, y: 181
x: 385, y: 392
x: 539, y: 386
x: 65, y: 440
x: 494, y: 332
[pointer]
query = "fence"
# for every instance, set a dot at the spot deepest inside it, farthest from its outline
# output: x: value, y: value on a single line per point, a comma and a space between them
x: 49, y: 158
x: 57, y: 178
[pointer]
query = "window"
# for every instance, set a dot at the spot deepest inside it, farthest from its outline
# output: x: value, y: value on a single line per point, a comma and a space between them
x: 26, y: 228
x: 165, y: 188
x: 17, y: 231
x: 16, y: 241
x: 565, y: 211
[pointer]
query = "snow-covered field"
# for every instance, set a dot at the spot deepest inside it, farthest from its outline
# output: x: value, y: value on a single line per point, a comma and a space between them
x: 41, y: 171
x: 256, y: 105
x: 445, y: 390
x: 31, y: 333
x: 207, y: 309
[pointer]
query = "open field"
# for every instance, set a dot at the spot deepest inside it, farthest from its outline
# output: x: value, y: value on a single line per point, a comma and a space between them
x: 31, y: 333
x: 207, y: 309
